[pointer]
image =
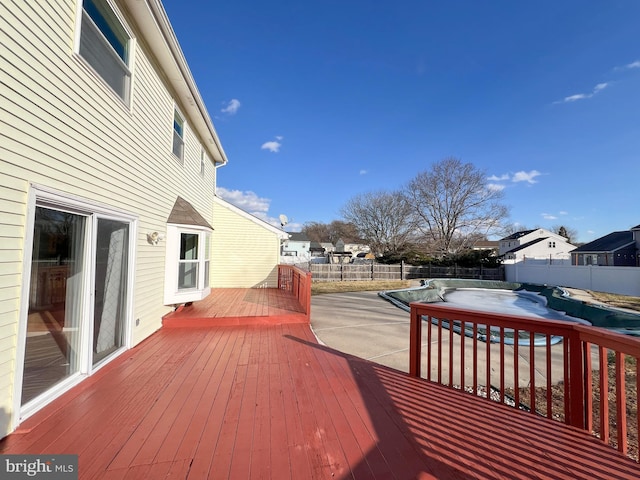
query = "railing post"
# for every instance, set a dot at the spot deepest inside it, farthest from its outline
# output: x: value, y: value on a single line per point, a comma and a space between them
x: 576, y: 414
x: 415, y: 342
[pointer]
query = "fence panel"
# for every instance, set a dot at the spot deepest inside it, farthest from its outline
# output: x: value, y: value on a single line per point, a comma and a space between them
x: 375, y: 271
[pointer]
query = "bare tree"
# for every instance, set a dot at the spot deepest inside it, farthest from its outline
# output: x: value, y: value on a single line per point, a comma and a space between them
x: 383, y: 220
x: 331, y: 232
x: 453, y: 201
x: 346, y: 231
x: 316, y: 231
x: 569, y: 233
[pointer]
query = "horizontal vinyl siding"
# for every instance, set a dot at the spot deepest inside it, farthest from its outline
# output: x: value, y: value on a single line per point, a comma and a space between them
x: 13, y: 196
x: 61, y: 127
x: 245, y: 255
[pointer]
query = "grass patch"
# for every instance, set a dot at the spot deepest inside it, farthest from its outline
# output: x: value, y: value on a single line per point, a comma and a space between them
x: 615, y: 300
x: 358, y: 286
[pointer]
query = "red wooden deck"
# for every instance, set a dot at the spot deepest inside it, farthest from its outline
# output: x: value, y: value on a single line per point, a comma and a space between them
x: 239, y: 306
x: 267, y: 401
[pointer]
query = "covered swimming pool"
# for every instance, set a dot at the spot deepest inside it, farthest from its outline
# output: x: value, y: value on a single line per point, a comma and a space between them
x: 521, y: 299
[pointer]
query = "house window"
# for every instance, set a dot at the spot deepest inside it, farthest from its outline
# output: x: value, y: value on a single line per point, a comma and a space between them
x: 188, y: 260
x: 106, y: 46
x: 178, y: 135
x: 188, y: 263
x: 552, y: 244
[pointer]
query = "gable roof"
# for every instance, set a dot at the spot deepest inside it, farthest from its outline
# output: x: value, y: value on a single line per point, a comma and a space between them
x: 183, y: 213
x: 298, y: 237
x: 526, y: 245
x: 258, y: 221
x: 515, y: 236
x: 609, y: 243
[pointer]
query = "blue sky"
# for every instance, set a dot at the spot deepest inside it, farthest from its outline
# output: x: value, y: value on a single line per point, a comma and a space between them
x: 315, y: 102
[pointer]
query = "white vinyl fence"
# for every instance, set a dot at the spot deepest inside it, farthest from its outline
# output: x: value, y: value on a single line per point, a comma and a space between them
x: 620, y: 280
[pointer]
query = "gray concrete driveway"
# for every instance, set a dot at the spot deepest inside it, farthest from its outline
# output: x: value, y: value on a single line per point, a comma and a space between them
x: 365, y: 325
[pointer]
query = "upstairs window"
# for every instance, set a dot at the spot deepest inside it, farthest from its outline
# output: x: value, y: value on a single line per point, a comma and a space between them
x: 178, y: 135
x: 552, y: 244
x: 106, y: 46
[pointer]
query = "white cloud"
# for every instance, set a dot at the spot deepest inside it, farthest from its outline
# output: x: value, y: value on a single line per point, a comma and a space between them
x: 363, y: 172
x: 548, y: 216
x: 528, y: 177
x: 272, y: 146
x: 562, y: 212
x: 501, y: 178
x: 573, y: 98
x: 629, y: 66
x: 582, y: 96
x: 232, y: 107
x: 521, y: 176
x: 247, y: 201
x: 257, y: 206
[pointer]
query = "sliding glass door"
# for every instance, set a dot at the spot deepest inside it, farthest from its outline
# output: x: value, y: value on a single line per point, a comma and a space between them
x: 52, y: 350
x: 78, y: 298
x: 111, y: 269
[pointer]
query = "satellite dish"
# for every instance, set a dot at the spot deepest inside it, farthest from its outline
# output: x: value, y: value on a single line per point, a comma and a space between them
x: 283, y: 220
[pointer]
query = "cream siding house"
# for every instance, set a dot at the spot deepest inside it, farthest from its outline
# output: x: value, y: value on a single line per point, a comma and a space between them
x: 246, y: 249
x: 102, y: 132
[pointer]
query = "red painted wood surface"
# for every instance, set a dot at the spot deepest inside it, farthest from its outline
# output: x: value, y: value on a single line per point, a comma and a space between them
x: 576, y: 343
x: 270, y: 402
x: 239, y: 306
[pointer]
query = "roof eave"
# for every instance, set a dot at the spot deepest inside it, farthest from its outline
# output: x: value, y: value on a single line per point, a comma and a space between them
x: 151, y: 18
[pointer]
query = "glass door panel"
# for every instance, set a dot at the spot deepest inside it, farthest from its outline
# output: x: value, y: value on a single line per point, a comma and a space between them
x: 52, y: 351
x: 111, y: 271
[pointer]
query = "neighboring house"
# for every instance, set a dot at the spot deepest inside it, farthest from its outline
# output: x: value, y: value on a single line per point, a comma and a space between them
x: 297, y: 245
x: 108, y: 214
x: 328, y: 247
x: 316, y: 249
x: 535, y: 244
x: 492, y: 245
x: 617, y: 249
x: 356, y: 248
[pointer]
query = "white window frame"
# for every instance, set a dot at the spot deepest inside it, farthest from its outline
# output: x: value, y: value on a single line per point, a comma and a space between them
x: 50, y: 198
x: 173, y: 295
x: 125, y: 64
x: 178, y: 137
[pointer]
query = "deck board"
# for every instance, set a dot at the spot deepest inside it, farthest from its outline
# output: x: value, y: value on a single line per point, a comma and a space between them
x: 267, y: 401
x: 239, y: 306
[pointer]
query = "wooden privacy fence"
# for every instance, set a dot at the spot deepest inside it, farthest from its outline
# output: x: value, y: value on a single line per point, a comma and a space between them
x: 546, y: 367
x: 376, y: 271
